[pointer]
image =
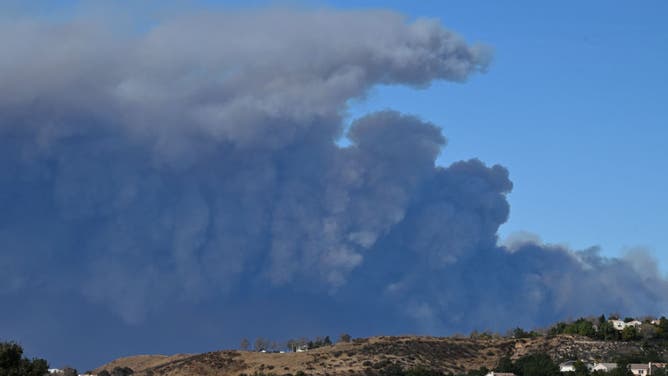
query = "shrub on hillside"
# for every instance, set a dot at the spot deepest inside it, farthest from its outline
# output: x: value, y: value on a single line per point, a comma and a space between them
x: 122, y: 371
x: 12, y: 362
x: 69, y: 371
x: 537, y: 364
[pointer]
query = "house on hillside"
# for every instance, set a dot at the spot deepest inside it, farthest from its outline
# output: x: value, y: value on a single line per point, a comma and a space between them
x: 621, y: 325
x: 568, y: 366
x: 605, y: 367
x: 639, y: 369
x: 618, y: 324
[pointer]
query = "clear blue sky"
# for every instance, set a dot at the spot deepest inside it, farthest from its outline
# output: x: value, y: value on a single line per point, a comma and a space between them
x: 575, y: 105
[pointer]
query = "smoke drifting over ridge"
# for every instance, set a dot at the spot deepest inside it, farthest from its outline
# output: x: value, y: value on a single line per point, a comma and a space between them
x: 198, y: 160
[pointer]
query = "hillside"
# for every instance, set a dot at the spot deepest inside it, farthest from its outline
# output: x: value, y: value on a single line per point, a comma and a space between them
x: 143, y: 362
x: 455, y: 355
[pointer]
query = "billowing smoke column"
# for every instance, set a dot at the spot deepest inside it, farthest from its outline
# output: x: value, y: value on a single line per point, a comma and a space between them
x: 198, y: 161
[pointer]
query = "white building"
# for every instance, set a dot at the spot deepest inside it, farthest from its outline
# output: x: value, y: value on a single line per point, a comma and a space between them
x: 621, y: 325
x: 605, y: 367
x: 618, y: 324
x: 640, y: 369
x: 568, y: 366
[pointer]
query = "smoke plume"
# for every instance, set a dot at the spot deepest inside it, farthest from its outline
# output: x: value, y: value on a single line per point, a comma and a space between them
x: 194, y: 166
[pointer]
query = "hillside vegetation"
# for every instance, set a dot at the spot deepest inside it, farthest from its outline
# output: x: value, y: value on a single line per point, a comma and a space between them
x: 379, y: 355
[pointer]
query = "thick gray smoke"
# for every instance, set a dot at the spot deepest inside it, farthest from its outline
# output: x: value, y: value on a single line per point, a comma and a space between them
x: 197, y: 161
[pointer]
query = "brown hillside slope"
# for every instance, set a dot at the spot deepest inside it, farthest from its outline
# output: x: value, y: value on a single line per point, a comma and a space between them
x: 456, y: 355
x: 141, y: 362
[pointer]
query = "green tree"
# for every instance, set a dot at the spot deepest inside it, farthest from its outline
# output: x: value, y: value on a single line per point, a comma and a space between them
x: 630, y: 333
x: 557, y: 328
x: 662, y: 330
x: 244, y: 345
x: 13, y: 363
x: 391, y: 370
x: 35, y: 367
x: 344, y: 337
x: 520, y: 333
x: 482, y: 371
x: 585, y: 328
x: 10, y: 356
x: 537, y: 364
x: 581, y: 369
x: 606, y: 331
x: 506, y: 365
x: 582, y: 327
x: 659, y: 372
x: 122, y: 371
x: 621, y: 370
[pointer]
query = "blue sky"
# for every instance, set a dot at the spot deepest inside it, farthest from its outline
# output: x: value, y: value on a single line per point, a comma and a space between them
x: 574, y: 106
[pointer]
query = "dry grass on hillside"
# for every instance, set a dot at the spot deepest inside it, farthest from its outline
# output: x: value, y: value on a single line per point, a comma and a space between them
x: 448, y: 355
